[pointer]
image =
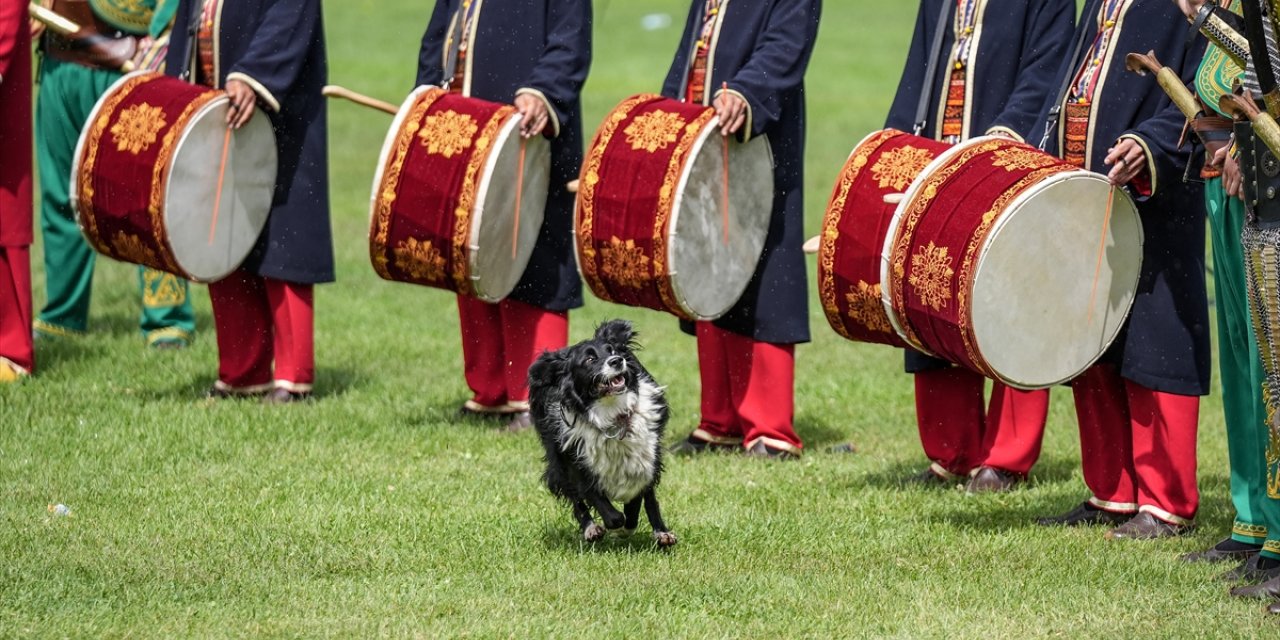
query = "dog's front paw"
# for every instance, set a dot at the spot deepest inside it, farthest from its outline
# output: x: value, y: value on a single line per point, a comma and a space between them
x: 665, y: 538
x: 593, y: 532
x: 614, y: 522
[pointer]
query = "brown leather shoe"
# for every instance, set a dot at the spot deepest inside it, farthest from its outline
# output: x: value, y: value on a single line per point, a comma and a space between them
x: 1145, y: 526
x: 762, y: 450
x: 1084, y: 514
x: 992, y: 480
x: 1216, y: 554
x: 1250, y: 573
x: 1268, y: 589
x: 521, y: 422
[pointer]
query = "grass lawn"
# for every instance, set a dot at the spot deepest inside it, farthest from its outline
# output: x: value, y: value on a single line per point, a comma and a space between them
x: 372, y: 512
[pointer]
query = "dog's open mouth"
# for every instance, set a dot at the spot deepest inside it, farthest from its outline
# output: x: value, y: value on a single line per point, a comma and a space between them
x: 614, y: 385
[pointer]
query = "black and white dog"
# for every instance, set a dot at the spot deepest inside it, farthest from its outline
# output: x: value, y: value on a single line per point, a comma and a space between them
x: 601, y: 417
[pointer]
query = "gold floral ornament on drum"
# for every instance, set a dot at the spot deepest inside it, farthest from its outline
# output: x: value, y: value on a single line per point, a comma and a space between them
x: 159, y: 179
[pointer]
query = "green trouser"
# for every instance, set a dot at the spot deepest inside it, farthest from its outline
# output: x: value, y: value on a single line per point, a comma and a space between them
x: 1248, y: 437
x: 68, y: 93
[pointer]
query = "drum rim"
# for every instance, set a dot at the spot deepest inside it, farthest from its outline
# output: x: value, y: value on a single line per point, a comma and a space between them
x: 388, y: 143
x: 1004, y: 220
x: 891, y: 235
x: 511, y: 127
x: 694, y: 150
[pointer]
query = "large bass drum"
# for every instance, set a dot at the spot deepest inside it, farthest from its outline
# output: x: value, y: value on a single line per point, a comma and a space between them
x: 459, y: 195
x: 662, y: 220
x: 159, y: 179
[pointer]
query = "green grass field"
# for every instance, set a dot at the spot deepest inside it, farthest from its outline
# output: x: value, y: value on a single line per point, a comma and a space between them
x: 371, y: 512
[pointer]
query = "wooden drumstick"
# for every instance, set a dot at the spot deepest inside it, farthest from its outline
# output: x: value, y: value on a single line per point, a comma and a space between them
x: 64, y: 27
x: 572, y: 186
x: 335, y: 91
x: 894, y: 198
x: 811, y: 245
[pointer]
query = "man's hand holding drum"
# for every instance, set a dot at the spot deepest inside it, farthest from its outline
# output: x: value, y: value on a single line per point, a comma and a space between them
x: 534, y: 111
x: 243, y: 102
x: 732, y: 110
x: 1127, y: 159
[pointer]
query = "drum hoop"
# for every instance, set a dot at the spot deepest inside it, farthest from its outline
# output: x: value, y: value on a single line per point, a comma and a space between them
x: 512, y: 126
x: 1003, y: 220
x: 694, y: 150
x: 73, y: 188
x: 388, y: 144
x: 168, y: 187
x: 891, y: 237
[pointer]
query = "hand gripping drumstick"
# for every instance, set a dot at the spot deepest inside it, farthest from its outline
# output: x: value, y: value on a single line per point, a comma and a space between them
x: 64, y: 27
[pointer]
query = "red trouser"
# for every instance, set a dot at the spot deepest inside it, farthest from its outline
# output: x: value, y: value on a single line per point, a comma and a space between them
x: 959, y: 435
x: 15, y: 308
x: 500, y: 341
x: 261, y: 321
x: 1137, y: 445
x: 748, y: 390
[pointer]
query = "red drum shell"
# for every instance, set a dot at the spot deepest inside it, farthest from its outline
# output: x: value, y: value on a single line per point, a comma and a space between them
x: 854, y: 228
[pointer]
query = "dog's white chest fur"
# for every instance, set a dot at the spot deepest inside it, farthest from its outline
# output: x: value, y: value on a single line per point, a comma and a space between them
x: 624, y: 466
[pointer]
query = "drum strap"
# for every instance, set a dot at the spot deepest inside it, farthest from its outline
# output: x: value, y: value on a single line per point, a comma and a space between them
x: 189, y: 52
x: 1051, y: 123
x: 931, y: 69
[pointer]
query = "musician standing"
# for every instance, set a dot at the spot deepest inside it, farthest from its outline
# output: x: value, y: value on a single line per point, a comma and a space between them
x: 269, y: 57
x: 978, y: 67
x: 1254, y: 443
x: 1138, y: 406
x: 17, y: 357
x: 747, y: 60
x: 535, y: 54
x: 74, y: 73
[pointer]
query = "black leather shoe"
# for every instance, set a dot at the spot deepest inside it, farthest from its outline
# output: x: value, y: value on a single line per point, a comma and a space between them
x: 762, y: 450
x: 992, y: 480
x: 1274, y: 608
x: 521, y: 422
x: 1215, y: 554
x: 1268, y: 589
x: 691, y: 446
x: 1145, y: 526
x: 473, y: 409
x: 281, y: 395
x: 1249, y: 572
x: 1084, y: 514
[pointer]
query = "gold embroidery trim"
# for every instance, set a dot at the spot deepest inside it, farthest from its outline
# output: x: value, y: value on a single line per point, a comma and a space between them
x: 420, y: 260
x: 160, y: 172
x: 625, y: 263
x: 654, y: 131
x: 160, y: 289
x: 831, y: 226
x: 1021, y: 159
x: 589, y: 178
x: 931, y: 276
x: 89, y: 160
x: 130, y: 248
x: 866, y: 309
x: 390, y: 186
x: 448, y: 133
x: 466, y: 199
x: 666, y: 195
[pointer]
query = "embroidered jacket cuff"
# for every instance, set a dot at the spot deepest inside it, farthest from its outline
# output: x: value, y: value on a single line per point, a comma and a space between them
x: 263, y: 93
x: 1151, y: 160
x: 551, y: 110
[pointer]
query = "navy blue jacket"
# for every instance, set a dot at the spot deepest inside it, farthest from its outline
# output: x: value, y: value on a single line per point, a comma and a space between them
x: 1165, y: 345
x: 277, y: 47
x: 762, y: 52
x: 1019, y: 45
x: 541, y: 47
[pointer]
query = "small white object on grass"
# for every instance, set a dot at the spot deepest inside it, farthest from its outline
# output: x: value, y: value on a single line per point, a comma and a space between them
x: 60, y: 510
x: 655, y: 21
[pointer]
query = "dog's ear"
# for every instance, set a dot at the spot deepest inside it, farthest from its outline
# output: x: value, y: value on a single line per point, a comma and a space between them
x: 548, y: 370
x: 618, y: 333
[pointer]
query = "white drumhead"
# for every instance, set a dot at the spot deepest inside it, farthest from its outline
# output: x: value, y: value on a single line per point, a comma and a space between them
x: 494, y: 270
x: 205, y: 248
x: 709, y: 275
x: 1035, y: 274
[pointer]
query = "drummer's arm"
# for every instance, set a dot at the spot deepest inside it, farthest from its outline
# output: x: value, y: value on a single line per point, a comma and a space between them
x: 1047, y: 37
x: 278, y: 51
x: 562, y: 68
x: 1161, y: 161
x: 431, y: 53
x: 777, y: 65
